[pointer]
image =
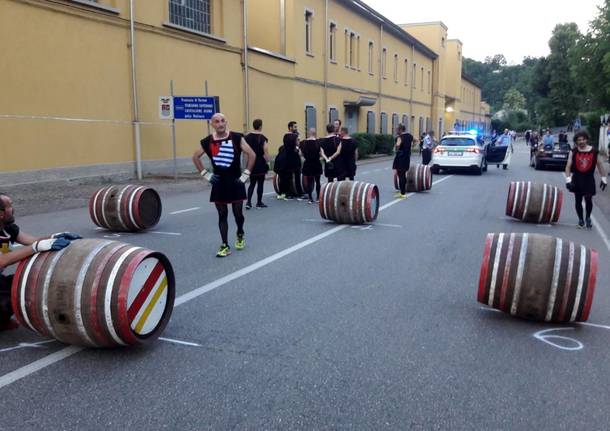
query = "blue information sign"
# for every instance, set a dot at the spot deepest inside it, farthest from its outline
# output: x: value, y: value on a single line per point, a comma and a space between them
x: 195, y: 108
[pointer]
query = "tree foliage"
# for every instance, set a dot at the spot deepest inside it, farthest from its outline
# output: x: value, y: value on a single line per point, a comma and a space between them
x: 573, y: 78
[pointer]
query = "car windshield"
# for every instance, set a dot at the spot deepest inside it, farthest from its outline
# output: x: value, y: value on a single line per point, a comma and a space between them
x: 457, y: 142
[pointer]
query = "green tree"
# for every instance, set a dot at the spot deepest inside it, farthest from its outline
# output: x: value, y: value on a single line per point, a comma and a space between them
x: 514, y: 100
x: 563, y: 102
x: 591, y: 62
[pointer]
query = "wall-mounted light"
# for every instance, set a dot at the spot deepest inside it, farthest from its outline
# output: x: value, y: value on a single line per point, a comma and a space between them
x: 449, y: 109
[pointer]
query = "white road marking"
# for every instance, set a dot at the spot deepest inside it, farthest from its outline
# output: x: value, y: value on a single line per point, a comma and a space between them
x: 595, y: 325
x: 66, y: 352
x: 601, y: 232
x: 36, y: 345
x: 31, y: 368
x: 541, y: 335
x: 186, y: 343
x: 185, y: 211
x: 166, y: 233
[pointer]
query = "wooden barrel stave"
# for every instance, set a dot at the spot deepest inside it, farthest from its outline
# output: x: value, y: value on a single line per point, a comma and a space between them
x: 419, y: 179
x: 83, y: 291
x: 538, y: 277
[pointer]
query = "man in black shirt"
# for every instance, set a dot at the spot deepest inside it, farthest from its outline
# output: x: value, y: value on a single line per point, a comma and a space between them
x: 10, y: 234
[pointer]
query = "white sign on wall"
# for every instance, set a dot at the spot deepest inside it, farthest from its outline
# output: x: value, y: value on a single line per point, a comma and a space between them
x: 166, y: 108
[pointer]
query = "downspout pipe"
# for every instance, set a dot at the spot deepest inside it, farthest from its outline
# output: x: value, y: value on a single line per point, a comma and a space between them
x: 134, y: 84
x: 246, y: 67
x: 381, y: 70
x: 326, y: 56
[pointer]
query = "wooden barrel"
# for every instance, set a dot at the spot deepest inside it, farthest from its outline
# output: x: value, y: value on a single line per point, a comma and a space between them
x: 125, y: 208
x: 538, y: 277
x: 534, y: 202
x: 419, y: 179
x: 96, y: 293
x: 298, y: 185
x: 353, y: 202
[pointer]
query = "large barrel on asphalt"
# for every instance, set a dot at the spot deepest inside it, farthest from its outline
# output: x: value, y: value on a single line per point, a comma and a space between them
x: 353, y: 202
x: 538, y: 277
x: 299, y: 184
x: 96, y: 293
x: 127, y: 208
x: 534, y: 202
x: 419, y: 179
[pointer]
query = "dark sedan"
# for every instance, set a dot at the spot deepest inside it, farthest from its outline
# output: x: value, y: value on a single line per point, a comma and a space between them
x: 547, y: 156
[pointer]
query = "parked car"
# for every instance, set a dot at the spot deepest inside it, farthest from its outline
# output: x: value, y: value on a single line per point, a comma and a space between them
x: 556, y: 156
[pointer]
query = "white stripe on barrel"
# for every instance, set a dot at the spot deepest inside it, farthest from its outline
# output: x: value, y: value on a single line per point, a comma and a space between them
x: 519, y: 279
x: 554, y: 283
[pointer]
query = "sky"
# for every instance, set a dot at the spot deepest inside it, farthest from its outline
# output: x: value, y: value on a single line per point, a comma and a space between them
x: 515, y: 28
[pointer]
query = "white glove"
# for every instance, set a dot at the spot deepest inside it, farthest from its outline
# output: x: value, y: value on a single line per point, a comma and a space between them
x: 244, y: 176
x: 206, y: 175
x: 569, y: 179
x: 605, y: 180
x: 50, y: 244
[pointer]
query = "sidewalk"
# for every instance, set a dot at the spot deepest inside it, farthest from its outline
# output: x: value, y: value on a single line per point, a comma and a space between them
x: 36, y: 198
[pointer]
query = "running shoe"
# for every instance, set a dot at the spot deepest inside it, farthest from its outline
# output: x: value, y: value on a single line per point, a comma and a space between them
x: 401, y: 196
x: 310, y: 201
x: 248, y: 206
x: 261, y: 205
x: 581, y: 224
x: 223, y: 251
x: 240, y: 243
x: 288, y: 198
x: 589, y: 224
x: 281, y: 197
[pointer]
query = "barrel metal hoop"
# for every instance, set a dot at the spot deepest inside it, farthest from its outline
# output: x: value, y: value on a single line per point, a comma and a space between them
x: 104, y: 207
x: 364, y: 194
x: 552, y: 216
x: 118, y: 208
x: 581, y: 280
x: 351, y: 200
x: 131, y: 198
x: 96, y: 218
x: 543, y: 204
x: 516, y: 198
x: 78, y: 289
x: 108, y: 296
x: 22, y: 288
x: 528, y: 196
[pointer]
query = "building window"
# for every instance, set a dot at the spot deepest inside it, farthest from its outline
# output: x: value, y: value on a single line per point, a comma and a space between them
x: 429, y: 82
x: 384, y: 123
x: 406, y: 72
x: 421, y: 126
x: 370, y: 122
x: 371, y: 57
x: 308, y: 31
x: 405, y: 121
x: 193, y: 14
x: 395, y: 67
x: 346, y: 47
x: 358, y: 52
x: 332, y: 42
x: 310, y: 117
x: 422, y: 79
x: 384, y: 56
x: 414, y: 77
x: 443, y: 42
x: 394, y: 123
x: 333, y: 115
x: 352, y: 49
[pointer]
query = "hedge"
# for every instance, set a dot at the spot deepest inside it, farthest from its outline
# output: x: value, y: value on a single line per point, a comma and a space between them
x: 369, y: 143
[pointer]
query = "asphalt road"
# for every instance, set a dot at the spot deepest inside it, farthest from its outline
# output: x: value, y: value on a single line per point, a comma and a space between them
x: 339, y: 328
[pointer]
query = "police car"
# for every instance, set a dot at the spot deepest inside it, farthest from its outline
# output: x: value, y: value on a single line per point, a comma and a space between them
x: 460, y: 151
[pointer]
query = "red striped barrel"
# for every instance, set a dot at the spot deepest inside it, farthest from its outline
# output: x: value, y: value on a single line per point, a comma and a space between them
x: 534, y: 202
x: 419, y: 178
x: 538, y: 277
x: 353, y: 202
x: 299, y: 184
x: 96, y: 293
x: 127, y: 208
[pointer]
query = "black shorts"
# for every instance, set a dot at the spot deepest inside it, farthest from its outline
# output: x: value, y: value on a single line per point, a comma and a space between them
x: 6, y: 309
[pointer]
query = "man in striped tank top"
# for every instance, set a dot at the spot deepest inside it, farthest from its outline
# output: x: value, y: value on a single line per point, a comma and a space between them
x: 224, y: 149
x: 10, y: 234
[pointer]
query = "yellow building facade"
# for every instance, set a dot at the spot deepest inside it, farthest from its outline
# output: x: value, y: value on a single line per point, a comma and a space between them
x: 82, y: 78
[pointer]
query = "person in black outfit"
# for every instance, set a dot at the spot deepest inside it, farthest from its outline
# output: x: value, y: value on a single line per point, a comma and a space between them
x: 402, y: 159
x: 330, y: 147
x: 290, y: 161
x: 224, y: 149
x: 258, y: 143
x: 312, y: 168
x: 580, y: 176
x: 10, y: 234
x: 528, y: 135
x: 349, y: 155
